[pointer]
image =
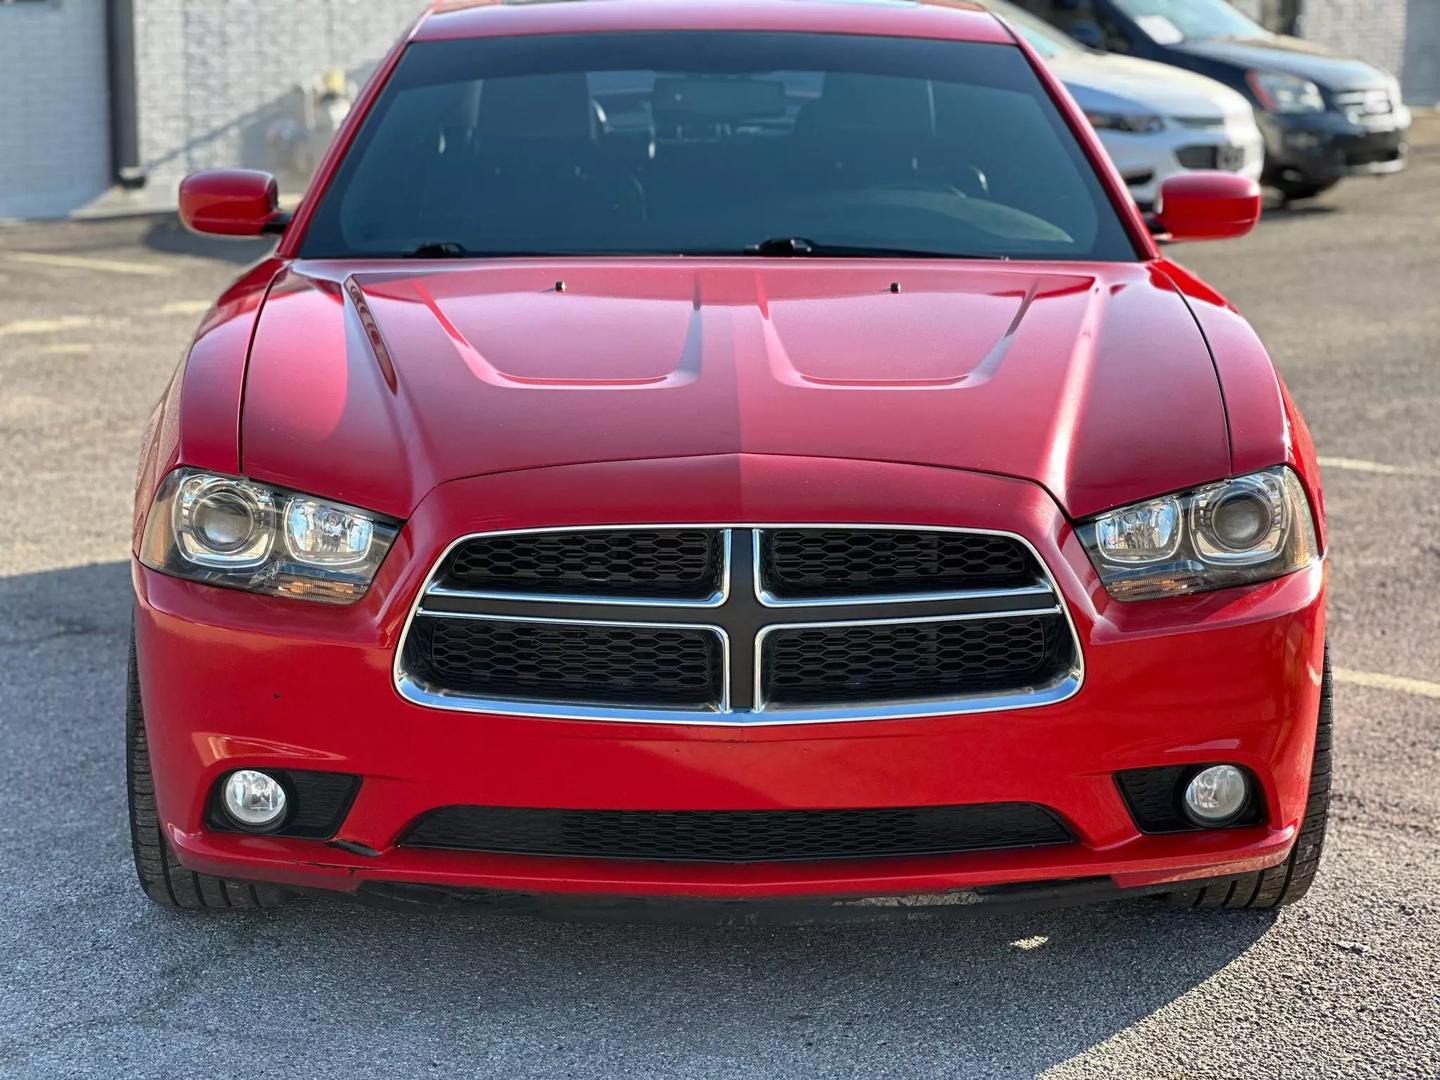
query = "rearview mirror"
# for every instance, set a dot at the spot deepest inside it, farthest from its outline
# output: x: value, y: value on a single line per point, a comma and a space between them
x: 231, y: 202
x: 1206, y: 206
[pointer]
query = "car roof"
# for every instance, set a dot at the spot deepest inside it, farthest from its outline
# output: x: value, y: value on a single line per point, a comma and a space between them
x: 957, y: 20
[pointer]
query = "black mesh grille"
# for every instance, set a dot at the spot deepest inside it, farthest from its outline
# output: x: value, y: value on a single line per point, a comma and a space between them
x: 833, y: 665
x: 857, y: 562
x: 1198, y: 157
x: 622, y: 665
x: 675, y: 564
x: 738, y: 835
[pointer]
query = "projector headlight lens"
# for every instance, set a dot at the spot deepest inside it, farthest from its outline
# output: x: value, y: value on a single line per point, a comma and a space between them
x: 1238, y: 532
x: 236, y: 533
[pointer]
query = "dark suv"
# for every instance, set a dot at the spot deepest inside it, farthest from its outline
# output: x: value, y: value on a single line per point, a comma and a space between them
x: 1324, y: 116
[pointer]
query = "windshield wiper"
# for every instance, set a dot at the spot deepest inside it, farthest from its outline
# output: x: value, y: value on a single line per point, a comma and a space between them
x: 782, y: 246
x: 800, y: 246
x: 446, y: 250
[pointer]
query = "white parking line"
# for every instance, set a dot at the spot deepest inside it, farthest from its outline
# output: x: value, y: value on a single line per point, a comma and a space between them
x: 85, y: 262
x: 1395, y: 683
x: 1359, y: 465
x: 180, y: 307
x: 45, y: 326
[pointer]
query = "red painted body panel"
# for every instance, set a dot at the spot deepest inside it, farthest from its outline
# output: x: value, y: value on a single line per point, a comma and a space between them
x: 472, y: 396
x: 197, y: 421
x: 232, y: 679
x: 1048, y: 372
x: 229, y: 202
x: 954, y: 19
x: 1264, y: 425
x: 1209, y: 206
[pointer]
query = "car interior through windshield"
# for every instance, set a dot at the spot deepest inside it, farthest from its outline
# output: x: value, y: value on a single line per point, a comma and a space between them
x: 716, y: 144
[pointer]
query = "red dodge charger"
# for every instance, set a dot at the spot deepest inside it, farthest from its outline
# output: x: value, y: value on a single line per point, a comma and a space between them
x: 748, y: 457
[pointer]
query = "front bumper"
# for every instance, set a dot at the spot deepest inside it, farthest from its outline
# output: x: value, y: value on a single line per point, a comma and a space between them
x: 231, y: 680
x: 1147, y: 161
x: 1321, y: 147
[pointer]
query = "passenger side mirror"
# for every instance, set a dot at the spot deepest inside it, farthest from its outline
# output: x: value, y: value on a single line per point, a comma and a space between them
x: 1206, y: 206
x: 232, y: 202
x: 1087, y: 32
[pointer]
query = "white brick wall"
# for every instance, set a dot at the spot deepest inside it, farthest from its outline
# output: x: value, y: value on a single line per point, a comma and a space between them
x: 1373, y: 30
x: 1401, y: 36
x: 54, y: 107
x: 216, y: 77
x: 1420, y: 75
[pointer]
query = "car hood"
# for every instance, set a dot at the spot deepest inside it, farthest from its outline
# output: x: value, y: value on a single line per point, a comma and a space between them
x: 1103, y: 80
x: 372, y: 383
x: 1292, y: 56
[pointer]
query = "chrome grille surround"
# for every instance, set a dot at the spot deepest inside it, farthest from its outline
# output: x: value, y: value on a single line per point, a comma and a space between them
x: 741, y: 547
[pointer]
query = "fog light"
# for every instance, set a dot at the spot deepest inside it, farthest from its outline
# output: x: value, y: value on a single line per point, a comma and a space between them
x: 1217, y: 795
x: 254, y: 799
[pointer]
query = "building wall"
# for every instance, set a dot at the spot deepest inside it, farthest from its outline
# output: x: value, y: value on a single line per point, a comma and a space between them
x: 1373, y: 30
x: 54, y: 107
x: 1420, y: 75
x: 1401, y: 36
x: 224, y: 82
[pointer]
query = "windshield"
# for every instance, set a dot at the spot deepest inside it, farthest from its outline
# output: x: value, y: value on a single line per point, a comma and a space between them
x: 1171, y: 21
x: 1038, y: 34
x: 715, y: 144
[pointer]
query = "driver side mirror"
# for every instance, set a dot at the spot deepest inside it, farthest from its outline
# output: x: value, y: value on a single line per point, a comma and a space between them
x: 232, y: 202
x: 1087, y: 32
x: 1206, y: 206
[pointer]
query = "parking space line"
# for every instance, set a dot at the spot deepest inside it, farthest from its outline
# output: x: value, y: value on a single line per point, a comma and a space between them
x: 180, y: 307
x: 85, y: 262
x: 1359, y: 465
x: 45, y: 326
x: 1394, y: 683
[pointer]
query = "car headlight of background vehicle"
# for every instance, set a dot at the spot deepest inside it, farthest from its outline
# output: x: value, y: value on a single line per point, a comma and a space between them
x: 1281, y: 93
x: 1238, y: 532
x: 223, y: 530
x: 1133, y: 123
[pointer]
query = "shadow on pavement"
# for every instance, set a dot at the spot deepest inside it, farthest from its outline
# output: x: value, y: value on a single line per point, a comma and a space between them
x: 1289, y: 211
x: 168, y: 236
x: 1000, y: 993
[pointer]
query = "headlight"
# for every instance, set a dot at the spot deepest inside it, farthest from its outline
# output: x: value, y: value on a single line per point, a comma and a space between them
x: 1249, y: 529
x: 227, y: 531
x: 1280, y: 93
x: 1134, y: 123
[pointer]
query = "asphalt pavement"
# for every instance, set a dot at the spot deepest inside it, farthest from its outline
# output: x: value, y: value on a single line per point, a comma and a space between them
x: 95, y: 981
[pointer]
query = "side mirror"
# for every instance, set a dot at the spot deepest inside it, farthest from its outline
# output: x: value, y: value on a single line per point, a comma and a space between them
x: 231, y: 202
x: 1087, y: 32
x: 1206, y: 206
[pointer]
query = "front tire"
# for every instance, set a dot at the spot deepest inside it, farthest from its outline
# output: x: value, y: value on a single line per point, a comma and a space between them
x: 1289, y: 881
x: 162, y: 877
x: 1292, y: 190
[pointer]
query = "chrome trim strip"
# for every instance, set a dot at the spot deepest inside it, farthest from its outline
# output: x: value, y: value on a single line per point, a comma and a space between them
x: 714, y: 600
x: 512, y: 707
x: 1066, y: 687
